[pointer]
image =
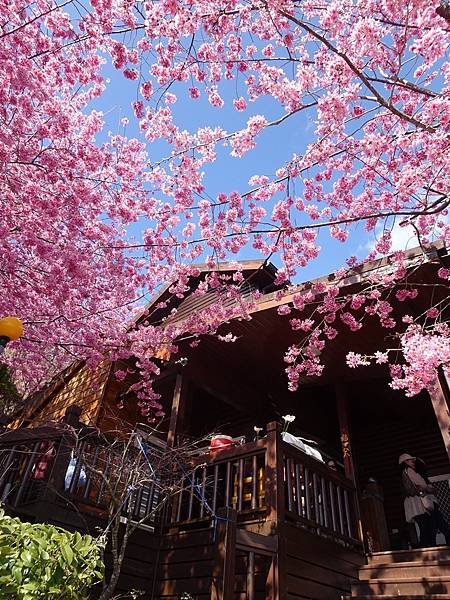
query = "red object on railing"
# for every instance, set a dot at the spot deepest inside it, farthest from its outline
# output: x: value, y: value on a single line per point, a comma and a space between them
x: 220, y: 442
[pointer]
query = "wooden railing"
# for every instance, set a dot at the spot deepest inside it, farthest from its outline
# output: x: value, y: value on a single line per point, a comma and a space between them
x: 267, y: 481
x: 27, y: 462
x: 98, y: 476
x: 317, y: 497
x: 233, y: 478
x: 47, y: 465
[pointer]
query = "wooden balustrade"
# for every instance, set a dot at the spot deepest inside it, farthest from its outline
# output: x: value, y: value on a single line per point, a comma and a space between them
x: 267, y: 480
x: 231, y: 478
x: 48, y: 466
x: 26, y: 467
x: 317, y: 497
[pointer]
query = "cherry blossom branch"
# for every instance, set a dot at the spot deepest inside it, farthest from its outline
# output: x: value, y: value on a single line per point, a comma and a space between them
x: 388, y: 105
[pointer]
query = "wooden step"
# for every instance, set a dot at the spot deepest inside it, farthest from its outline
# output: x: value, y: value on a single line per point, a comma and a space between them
x: 383, y: 597
x: 420, y: 554
x: 401, y: 570
x: 418, y: 586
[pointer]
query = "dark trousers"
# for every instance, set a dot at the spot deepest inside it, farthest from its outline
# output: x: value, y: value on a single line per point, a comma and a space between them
x: 429, y: 524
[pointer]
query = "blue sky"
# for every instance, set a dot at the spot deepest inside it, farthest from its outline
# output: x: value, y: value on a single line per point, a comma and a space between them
x: 275, y: 147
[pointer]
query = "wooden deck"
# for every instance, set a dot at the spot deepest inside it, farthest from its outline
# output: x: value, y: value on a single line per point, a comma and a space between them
x: 259, y: 520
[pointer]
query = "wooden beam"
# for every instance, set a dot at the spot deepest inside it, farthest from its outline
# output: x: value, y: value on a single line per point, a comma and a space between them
x: 354, y: 276
x: 441, y: 410
x: 344, y: 431
x: 274, y: 477
x: 178, y: 409
x: 222, y: 587
x: 261, y: 544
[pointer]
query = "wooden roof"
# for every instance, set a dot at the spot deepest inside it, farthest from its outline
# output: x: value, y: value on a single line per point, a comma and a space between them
x: 257, y: 355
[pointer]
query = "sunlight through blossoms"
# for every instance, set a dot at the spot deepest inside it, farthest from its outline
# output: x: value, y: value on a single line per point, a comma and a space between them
x: 371, y: 79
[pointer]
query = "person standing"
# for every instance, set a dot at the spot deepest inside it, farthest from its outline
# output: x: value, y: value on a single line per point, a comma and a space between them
x: 421, y: 505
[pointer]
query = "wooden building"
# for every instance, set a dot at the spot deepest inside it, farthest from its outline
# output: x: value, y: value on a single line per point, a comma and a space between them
x: 262, y: 518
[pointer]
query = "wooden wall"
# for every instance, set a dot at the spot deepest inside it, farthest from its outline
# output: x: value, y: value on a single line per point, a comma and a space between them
x: 381, y: 432
x: 84, y: 387
x: 314, y: 568
x: 165, y: 566
x: 139, y: 570
x: 185, y: 564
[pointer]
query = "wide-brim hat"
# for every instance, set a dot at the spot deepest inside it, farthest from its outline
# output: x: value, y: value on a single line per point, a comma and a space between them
x: 403, y: 457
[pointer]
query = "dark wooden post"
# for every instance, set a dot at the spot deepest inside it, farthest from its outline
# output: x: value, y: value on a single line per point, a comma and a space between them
x: 374, y: 518
x: 222, y: 587
x: 441, y: 410
x: 344, y: 431
x: 347, y: 451
x: 274, y: 477
x: 178, y: 409
x: 276, y: 587
x: 55, y: 484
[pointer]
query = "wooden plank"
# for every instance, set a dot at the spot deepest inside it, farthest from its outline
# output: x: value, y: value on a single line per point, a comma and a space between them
x: 187, y: 584
x: 224, y: 556
x: 314, y: 589
x: 301, y: 543
x: 180, y: 570
x: 264, y: 544
x: 173, y: 569
x: 275, y: 500
x: 176, y: 412
x: 329, y: 575
x: 441, y: 410
x: 185, y: 539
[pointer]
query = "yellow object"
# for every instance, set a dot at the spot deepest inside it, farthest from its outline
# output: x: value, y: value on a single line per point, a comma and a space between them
x: 247, y: 490
x: 11, y: 327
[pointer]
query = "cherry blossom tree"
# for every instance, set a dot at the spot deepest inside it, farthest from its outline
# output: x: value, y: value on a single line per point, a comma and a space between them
x: 371, y: 81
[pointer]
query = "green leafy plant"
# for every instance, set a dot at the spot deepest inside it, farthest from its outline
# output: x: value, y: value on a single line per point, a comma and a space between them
x: 40, y: 561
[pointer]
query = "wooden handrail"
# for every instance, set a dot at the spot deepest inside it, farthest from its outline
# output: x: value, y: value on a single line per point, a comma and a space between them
x: 320, y: 468
x: 25, y: 436
x: 220, y: 456
x: 267, y: 479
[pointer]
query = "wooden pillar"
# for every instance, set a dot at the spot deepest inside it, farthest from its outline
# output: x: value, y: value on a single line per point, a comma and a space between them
x: 441, y: 410
x: 374, y: 518
x: 274, y: 477
x: 344, y: 431
x: 178, y: 409
x: 347, y: 450
x: 275, y: 502
x: 222, y: 587
x: 56, y: 483
x: 276, y: 585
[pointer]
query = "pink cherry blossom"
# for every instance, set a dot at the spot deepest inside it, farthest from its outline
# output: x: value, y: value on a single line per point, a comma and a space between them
x: 95, y: 222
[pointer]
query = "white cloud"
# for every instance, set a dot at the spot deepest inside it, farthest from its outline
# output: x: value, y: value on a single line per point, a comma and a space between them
x: 403, y: 238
